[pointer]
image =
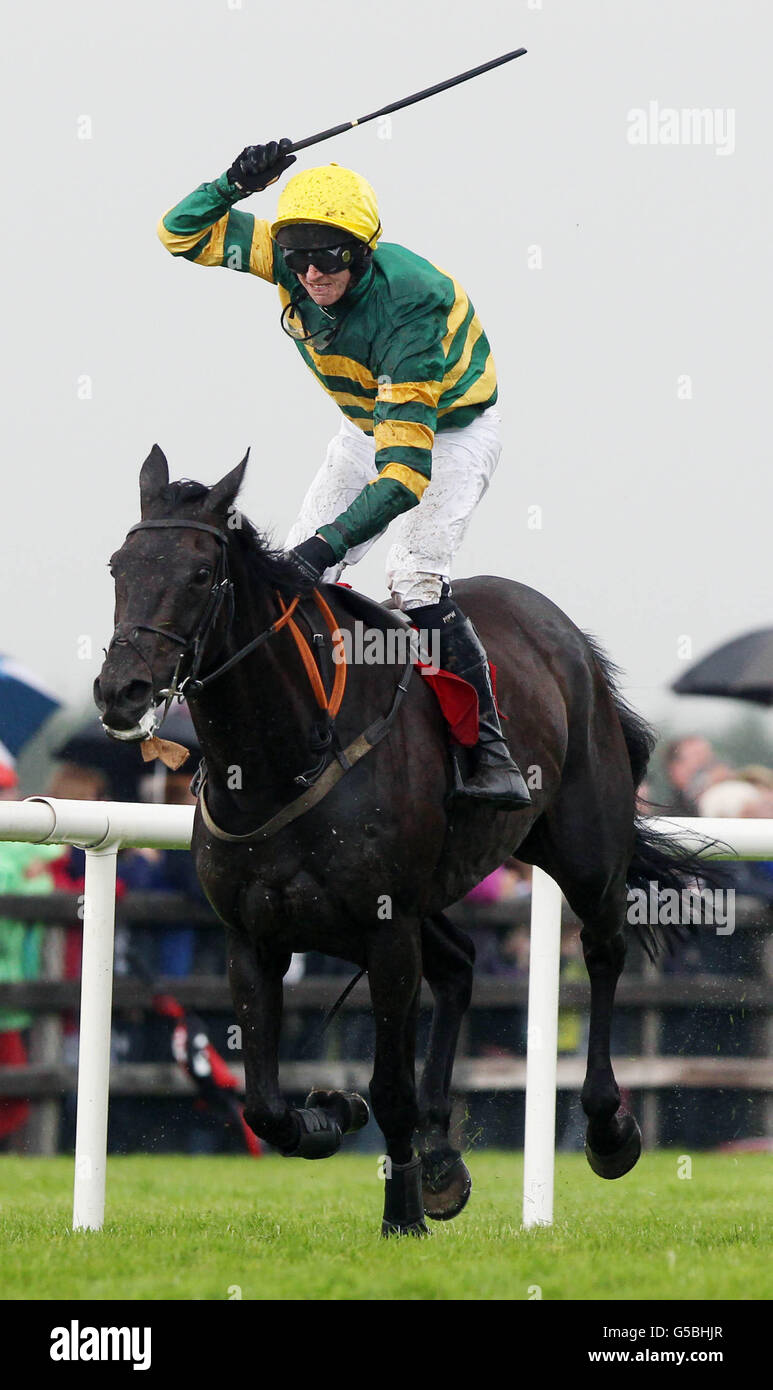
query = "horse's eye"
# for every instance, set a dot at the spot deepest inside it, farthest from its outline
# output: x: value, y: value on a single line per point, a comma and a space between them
x: 202, y: 575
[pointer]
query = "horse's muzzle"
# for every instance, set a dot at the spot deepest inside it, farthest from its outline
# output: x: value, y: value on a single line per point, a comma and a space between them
x: 126, y: 709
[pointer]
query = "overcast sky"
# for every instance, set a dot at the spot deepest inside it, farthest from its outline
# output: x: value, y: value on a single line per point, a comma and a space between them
x: 624, y: 283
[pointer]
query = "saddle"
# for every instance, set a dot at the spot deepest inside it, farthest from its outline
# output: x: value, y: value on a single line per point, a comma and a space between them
x: 458, y: 699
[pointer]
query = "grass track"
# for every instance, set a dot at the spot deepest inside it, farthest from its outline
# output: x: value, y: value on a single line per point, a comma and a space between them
x: 192, y: 1228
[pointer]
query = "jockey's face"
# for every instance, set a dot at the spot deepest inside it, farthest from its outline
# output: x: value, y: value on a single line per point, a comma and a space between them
x: 325, y: 289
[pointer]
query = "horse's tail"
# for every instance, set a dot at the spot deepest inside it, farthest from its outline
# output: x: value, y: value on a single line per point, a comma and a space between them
x: 658, y: 859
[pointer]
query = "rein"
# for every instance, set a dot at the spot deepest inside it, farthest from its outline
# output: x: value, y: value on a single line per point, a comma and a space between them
x: 222, y: 590
x: 319, y: 789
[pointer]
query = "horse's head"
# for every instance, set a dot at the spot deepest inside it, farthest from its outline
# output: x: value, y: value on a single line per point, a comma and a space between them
x: 173, y: 594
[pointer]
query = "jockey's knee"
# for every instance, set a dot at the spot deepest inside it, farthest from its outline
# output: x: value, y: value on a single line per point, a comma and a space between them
x: 418, y: 589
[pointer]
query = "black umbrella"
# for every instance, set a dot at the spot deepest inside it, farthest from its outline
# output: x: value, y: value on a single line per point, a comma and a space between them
x: 741, y: 669
x: 122, y: 763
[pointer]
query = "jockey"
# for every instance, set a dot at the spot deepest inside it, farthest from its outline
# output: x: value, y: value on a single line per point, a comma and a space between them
x: 397, y: 344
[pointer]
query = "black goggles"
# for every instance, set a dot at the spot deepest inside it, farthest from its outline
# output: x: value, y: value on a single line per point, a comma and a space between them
x: 329, y: 259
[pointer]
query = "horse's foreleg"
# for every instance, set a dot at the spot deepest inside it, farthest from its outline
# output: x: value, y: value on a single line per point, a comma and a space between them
x: 256, y: 990
x: 394, y: 974
x: 613, y: 1139
x: 447, y: 956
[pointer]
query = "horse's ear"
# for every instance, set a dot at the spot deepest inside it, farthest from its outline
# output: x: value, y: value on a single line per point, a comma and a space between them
x: 154, y: 475
x: 224, y: 494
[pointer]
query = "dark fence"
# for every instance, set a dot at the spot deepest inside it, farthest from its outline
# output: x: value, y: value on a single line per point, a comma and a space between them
x: 681, y: 1030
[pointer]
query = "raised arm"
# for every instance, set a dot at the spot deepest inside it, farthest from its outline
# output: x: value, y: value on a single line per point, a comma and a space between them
x: 205, y: 227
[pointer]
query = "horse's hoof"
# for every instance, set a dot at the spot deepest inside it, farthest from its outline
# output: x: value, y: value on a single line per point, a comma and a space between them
x: 446, y: 1186
x: 393, y: 1228
x: 318, y: 1136
x: 403, y: 1205
x: 349, y: 1109
x: 625, y: 1154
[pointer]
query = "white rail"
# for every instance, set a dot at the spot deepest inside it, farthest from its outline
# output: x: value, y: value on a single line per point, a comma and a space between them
x: 104, y: 827
x: 101, y: 828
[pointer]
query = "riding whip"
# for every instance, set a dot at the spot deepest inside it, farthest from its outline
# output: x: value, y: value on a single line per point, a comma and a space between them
x: 406, y: 101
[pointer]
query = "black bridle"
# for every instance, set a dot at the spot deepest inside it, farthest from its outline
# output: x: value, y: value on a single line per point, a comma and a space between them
x: 322, y: 777
x: 193, y: 647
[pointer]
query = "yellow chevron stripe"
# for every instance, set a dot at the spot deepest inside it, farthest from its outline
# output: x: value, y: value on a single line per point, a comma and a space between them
x: 341, y: 398
x: 405, y: 434
x: 458, y: 370
x: 176, y: 244
x: 215, y: 248
x: 479, y: 391
x: 415, y: 482
x: 343, y: 366
x: 458, y: 313
x: 403, y: 392
x: 331, y: 365
x: 262, y: 251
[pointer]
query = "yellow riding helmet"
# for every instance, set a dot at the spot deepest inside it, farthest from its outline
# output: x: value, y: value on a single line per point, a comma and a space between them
x: 333, y: 196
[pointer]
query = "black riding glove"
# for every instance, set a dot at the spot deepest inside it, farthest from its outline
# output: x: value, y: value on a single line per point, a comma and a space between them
x: 259, y: 165
x: 310, y: 559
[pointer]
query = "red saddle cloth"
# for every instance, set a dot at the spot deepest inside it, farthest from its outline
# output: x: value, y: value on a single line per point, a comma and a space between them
x: 458, y: 700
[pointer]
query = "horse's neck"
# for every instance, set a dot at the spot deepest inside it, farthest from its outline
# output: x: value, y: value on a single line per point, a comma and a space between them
x: 253, y: 724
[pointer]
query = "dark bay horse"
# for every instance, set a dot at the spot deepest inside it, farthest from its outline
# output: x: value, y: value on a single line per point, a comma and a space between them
x: 366, y: 873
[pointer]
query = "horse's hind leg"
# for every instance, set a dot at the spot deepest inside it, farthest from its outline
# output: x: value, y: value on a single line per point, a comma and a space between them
x: 448, y: 956
x: 585, y: 843
x: 613, y: 1139
x: 394, y: 974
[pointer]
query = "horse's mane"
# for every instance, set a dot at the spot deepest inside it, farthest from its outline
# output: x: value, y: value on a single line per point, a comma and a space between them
x: 265, y: 564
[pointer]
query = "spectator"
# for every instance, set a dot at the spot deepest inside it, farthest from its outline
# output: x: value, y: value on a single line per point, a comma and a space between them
x: 501, y: 949
x: 691, y: 766
x: 572, y: 1042
x: 172, y: 951
x: 719, y: 792
x: 71, y: 782
x: 747, y: 793
x: 23, y: 869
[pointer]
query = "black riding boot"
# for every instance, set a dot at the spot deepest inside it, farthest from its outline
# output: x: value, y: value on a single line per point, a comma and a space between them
x: 496, y: 778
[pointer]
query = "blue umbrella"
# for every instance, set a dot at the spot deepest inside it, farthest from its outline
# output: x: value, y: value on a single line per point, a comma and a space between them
x: 25, y: 703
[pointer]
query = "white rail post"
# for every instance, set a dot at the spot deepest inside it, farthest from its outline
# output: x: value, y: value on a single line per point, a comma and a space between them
x: 541, y: 1051
x: 94, y: 1044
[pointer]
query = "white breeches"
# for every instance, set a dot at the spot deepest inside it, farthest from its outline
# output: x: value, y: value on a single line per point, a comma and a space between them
x: 427, y: 537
